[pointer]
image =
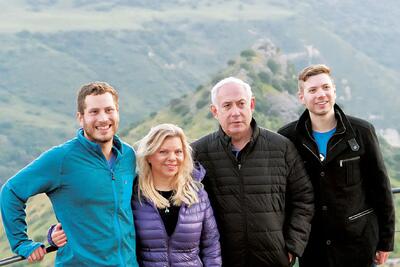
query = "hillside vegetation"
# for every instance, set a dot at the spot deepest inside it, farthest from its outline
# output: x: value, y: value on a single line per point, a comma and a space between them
x: 272, y: 78
x: 163, y: 57
x: 274, y: 85
x: 155, y: 51
x: 273, y: 81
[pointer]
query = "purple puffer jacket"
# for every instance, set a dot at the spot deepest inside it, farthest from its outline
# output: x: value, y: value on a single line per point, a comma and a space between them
x: 195, y: 241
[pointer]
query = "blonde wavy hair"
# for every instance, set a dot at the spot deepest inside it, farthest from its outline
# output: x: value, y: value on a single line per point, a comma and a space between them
x: 184, y: 186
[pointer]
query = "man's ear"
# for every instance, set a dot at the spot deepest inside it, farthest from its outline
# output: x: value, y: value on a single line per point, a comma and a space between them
x: 79, y: 118
x: 213, y: 110
x: 300, y: 95
x: 252, y: 103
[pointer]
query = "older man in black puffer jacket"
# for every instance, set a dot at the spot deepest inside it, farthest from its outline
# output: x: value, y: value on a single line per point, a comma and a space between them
x: 259, y: 189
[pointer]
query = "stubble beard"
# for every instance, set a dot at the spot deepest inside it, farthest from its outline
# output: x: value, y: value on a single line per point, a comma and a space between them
x: 90, y: 133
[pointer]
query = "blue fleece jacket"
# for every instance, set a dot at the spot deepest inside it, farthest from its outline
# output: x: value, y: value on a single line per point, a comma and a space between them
x: 91, y: 201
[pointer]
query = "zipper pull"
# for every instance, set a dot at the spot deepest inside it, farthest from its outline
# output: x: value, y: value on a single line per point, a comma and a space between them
x: 239, y: 166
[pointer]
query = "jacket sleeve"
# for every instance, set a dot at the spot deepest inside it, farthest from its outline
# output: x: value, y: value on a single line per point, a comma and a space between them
x: 210, y: 248
x: 299, y: 203
x: 380, y: 190
x: 38, y: 177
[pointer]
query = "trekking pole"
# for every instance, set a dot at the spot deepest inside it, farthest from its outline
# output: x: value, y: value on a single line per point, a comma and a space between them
x: 18, y: 258
x: 396, y: 190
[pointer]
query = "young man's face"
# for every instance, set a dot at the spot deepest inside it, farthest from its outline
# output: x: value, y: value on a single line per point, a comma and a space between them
x: 100, y: 119
x: 318, y: 94
x: 234, y: 109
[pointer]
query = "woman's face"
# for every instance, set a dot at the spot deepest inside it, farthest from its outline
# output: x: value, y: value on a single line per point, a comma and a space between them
x: 166, y: 161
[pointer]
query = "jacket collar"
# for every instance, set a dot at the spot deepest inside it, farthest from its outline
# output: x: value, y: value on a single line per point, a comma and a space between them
x: 92, y: 146
x: 304, y: 123
x: 227, y: 140
x: 344, y: 132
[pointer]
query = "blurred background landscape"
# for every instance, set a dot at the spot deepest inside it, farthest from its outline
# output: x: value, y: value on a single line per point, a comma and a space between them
x: 163, y: 57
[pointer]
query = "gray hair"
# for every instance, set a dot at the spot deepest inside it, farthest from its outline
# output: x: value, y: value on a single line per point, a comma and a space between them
x: 215, y: 89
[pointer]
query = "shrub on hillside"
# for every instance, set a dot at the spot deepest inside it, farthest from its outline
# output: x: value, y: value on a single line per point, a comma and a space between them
x: 248, y: 54
x: 273, y: 66
x: 264, y: 77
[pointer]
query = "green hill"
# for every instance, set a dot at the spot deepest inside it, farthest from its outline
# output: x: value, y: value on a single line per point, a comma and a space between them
x: 273, y: 81
x: 160, y: 55
x: 155, y: 51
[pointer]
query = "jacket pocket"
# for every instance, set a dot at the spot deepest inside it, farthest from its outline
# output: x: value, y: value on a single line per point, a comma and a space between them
x: 360, y: 214
x: 127, y: 186
x: 352, y: 165
x: 357, y: 224
x: 362, y: 233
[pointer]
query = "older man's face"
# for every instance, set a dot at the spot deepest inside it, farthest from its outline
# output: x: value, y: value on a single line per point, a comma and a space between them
x: 234, y: 109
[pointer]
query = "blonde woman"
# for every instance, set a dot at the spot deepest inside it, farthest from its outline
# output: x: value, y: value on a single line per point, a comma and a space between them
x: 174, y: 221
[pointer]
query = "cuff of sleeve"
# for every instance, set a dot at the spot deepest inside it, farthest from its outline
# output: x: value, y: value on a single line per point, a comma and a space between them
x: 296, y: 252
x: 49, y: 239
x: 25, y: 250
x: 385, y: 246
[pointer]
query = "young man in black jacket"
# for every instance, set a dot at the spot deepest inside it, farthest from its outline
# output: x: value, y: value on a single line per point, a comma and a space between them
x: 354, y: 213
x: 257, y: 184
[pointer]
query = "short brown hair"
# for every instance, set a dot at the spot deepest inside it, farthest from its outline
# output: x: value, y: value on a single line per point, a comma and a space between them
x: 312, y: 70
x: 94, y: 88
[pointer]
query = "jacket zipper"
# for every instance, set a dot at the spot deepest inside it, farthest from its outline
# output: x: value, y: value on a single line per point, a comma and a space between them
x: 312, y: 152
x: 327, y: 145
x: 239, y: 166
x: 347, y: 160
x: 340, y: 140
x: 165, y: 230
x: 116, y: 221
x: 361, y: 214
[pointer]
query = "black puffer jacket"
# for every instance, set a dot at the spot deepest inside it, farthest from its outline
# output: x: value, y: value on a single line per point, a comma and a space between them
x: 354, y: 207
x: 263, y: 202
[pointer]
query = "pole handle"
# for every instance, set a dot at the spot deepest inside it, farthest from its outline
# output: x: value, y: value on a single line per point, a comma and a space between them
x: 18, y: 258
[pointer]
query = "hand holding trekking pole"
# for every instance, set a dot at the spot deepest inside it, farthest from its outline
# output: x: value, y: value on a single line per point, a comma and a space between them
x: 56, y: 238
x: 17, y: 258
x: 37, y: 255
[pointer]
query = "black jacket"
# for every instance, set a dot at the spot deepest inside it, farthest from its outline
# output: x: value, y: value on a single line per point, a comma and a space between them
x: 354, y: 213
x: 263, y: 202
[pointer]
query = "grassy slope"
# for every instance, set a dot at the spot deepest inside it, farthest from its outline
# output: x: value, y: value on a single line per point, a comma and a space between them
x: 191, y: 112
x: 42, y: 70
x: 61, y: 61
x: 157, y: 47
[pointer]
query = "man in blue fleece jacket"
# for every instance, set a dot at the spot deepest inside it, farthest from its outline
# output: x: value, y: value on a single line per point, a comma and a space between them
x: 89, y: 182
